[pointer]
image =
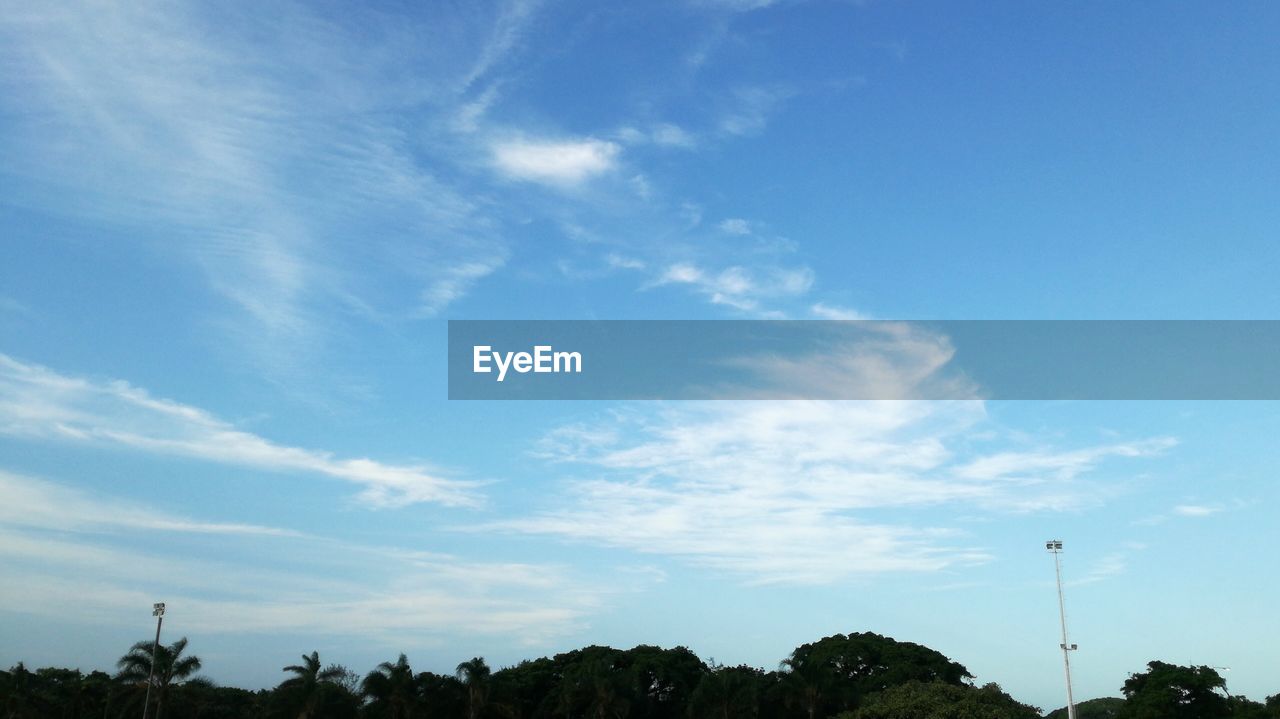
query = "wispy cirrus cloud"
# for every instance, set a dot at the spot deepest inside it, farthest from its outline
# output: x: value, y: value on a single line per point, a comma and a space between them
x: 38, y: 403
x: 287, y: 172
x: 663, y: 134
x: 1196, y: 510
x: 749, y: 109
x: 508, y: 29
x: 37, y: 503
x: 736, y: 286
x: 1109, y: 565
x: 1055, y: 465
x: 1188, y: 510
x: 735, y: 226
x: 802, y: 492
x: 78, y: 553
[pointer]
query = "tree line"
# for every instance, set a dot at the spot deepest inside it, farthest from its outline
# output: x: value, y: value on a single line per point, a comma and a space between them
x: 854, y: 676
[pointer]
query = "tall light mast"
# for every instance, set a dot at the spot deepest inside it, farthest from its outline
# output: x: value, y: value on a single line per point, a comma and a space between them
x: 1055, y: 548
x: 157, y: 611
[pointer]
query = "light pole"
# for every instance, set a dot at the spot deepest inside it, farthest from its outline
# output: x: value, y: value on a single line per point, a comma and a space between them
x: 1055, y: 548
x: 157, y: 611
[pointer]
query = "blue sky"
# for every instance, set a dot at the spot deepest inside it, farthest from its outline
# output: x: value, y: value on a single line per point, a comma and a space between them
x: 232, y: 237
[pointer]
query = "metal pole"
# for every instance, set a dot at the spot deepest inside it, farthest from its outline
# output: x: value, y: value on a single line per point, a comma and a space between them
x: 158, y: 611
x: 1056, y: 548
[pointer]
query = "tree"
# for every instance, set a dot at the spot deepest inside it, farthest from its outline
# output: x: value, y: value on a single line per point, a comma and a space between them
x: 1240, y: 707
x: 940, y: 700
x: 1100, y: 708
x: 310, y: 685
x: 835, y: 673
x: 442, y: 696
x: 19, y: 693
x: 727, y: 693
x: 1169, y: 691
x: 597, y: 686
x: 392, y: 689
x: 805, y: 684
x: 171, y: 668
x: 475, y: 675
x: 529, y: 689
x: 664, y: 680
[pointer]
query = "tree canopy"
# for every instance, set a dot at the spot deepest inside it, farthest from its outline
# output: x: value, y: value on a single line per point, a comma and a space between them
x: 843, y: 676
x: 940, y: 700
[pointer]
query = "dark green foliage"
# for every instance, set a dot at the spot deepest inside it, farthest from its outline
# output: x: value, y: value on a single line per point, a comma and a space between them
x: 442, y: 697
x: 728, y: 693
x: 835, y: 673
x: 1169, y: 691
x: 664, y: 680
x: 855, y: 676
x: 68, y: 694
x: 527, y: 689
x: 1100, y: 708
x: 1242, y: 708
x: 939, y: 700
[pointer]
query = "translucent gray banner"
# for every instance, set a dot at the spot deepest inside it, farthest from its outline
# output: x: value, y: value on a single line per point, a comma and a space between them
x: 803, y: 359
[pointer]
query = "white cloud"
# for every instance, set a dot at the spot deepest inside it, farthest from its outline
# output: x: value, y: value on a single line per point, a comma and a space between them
x: 454, y: 282
x: 833, y: 312
x: 36, y: 503
x: 669, y: 135
x: 738, y: 5
x: 735, y: 226
x: 1195, y: 510
x: 749, y: 109
x: 798, y: 491
x: 888, y: 360
x: 558, y: 162
x: 622, y: 262
x: 1054, y: 464
x: 37, y: 403
x: 736, y: 286
x: 663, y: 135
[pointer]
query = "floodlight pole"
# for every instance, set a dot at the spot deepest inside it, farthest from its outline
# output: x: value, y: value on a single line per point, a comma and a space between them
x: 157, y: 611
x: 1055, y: 548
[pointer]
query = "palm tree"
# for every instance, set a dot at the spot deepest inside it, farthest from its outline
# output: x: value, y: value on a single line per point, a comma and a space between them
x: 392, y: 688
x: 307, y: 682
x: 474, y: 674
x: 171, y: 668
x: 805, y: 683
